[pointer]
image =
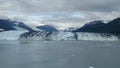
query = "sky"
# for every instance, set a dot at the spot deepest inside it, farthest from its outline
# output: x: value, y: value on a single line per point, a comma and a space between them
x: 59, y: 13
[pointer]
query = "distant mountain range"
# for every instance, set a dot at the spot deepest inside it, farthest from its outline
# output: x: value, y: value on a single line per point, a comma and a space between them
x: 70, y: 29
x: 6, y: 25
x: 99, y: 26
x: 96, y: 30
x: 112, y: 27
x: 47, y: 28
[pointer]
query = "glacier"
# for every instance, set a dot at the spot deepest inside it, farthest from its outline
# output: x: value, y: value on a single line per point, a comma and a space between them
x: 51, y: 36
x: 43, y: 35
x: 10, y: 35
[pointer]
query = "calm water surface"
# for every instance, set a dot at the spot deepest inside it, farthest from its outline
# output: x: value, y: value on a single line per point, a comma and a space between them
x: 59, y: 54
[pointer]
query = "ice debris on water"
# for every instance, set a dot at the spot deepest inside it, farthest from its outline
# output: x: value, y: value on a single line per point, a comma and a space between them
x: 73, y: 55
x: 45, y: 41
x: 91, y: 67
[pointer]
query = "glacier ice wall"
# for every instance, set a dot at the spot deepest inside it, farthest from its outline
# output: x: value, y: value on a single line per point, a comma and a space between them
x: 43, y: 35
x: 97, y: 36
x: 11, y: 35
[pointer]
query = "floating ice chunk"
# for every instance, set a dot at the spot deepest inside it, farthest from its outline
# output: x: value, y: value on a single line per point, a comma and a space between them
x: 73, y: 55
x: 45, y: 41
x: 91, y: 67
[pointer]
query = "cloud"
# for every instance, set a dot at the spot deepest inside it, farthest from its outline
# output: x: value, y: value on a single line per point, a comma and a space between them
x: 59, y: 13
x: 37, y: 6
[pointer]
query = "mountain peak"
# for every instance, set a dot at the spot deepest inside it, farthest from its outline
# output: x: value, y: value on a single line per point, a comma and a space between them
x: 100, y: 27
x: 95, y: 22
x: 117, y: 20
x: 8, y: 24
x: 47, y: 28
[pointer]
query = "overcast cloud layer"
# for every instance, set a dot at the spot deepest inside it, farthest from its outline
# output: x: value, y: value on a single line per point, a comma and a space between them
x: 59, y: 13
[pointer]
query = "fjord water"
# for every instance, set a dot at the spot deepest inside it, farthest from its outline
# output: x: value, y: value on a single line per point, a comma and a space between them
x: 59, y: 54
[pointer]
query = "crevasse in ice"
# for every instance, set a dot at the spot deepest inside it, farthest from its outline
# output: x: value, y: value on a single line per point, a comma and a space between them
x: 43, y: 35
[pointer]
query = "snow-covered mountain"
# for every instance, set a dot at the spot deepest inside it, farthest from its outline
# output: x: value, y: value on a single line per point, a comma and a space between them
x: 93, y: 26
x: 7, y: 25
x: 112, y: 27
x: 70, y: 29
x: 47, y: 28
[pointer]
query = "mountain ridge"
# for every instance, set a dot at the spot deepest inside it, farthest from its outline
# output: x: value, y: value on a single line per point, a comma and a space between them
x: 7, y: 25
x: 100, y: 27
x: 47, y: 28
